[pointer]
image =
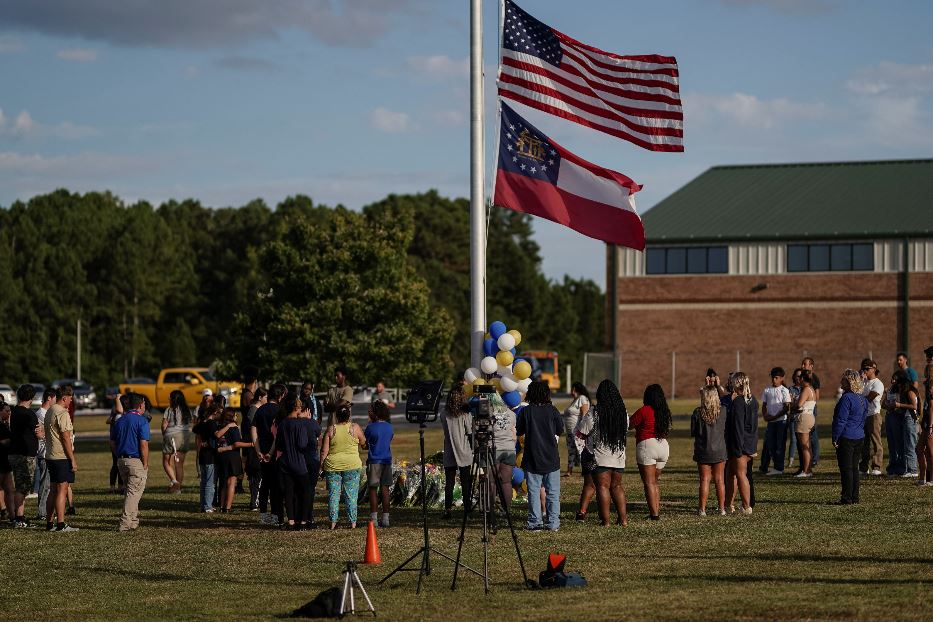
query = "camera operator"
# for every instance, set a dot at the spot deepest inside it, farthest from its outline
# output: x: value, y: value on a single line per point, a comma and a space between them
x: 458, y: 454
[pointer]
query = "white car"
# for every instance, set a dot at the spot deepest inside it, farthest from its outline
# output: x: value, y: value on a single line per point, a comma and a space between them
x: 8, y: 394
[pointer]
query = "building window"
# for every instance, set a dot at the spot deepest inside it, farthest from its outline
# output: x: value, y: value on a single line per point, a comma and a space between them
x: 687, y: 260
x: 830, y: 257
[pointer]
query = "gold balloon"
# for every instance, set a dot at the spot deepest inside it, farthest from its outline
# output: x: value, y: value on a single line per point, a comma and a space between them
x: 504, y: 358
x: 522, y: 370
x: 517, y: 335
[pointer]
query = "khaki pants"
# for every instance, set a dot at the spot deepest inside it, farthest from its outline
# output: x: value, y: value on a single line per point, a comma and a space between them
x: 872, y: 449
x: 134, y: 477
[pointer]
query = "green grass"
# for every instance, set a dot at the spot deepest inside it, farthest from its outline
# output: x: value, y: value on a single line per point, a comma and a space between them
x: 795, y: 558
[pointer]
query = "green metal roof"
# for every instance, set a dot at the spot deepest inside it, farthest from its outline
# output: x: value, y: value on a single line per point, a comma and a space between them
x: 882, y: 199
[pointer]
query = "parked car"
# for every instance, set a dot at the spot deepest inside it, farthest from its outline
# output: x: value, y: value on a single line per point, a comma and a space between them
x: 37, y: 398
x: 111, y: 393
x: 84, y: 395
x: 8, y: 394
x: 189, y: 380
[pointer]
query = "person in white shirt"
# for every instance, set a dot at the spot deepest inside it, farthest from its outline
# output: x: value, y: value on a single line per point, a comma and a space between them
x: 775, y: 403
x: 872, y: 449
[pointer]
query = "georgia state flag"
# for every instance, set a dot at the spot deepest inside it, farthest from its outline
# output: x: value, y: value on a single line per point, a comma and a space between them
x: 537, y: 176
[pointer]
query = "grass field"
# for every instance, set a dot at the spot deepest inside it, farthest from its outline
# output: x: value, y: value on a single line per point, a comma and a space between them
x: 796, y: 557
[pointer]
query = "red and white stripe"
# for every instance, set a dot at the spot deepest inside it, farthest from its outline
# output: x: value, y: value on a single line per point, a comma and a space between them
x: 636, y: 98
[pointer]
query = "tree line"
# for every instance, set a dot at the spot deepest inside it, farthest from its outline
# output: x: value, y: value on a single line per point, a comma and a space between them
x: 293, y: 291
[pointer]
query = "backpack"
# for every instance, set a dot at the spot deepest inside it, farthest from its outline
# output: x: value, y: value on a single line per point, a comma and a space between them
x: 555, y: 576
x: 325, y: 605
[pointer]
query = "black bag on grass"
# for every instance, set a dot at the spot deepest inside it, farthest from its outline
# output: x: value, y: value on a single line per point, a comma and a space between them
x: 555, y: 576
x: 325, y: 605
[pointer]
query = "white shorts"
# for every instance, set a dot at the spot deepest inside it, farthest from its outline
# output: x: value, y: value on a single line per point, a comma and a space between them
x: 652, y: 451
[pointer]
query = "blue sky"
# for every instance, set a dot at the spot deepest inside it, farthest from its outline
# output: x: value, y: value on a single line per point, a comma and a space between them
x: 349, y: 100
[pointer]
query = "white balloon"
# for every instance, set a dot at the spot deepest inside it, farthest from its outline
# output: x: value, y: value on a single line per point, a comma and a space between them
x: 471, y: 374
x: 508, y: 383
x: 523, y: 385
x: 506, y: 342
x: 489, y: 365
x: 504, y: 370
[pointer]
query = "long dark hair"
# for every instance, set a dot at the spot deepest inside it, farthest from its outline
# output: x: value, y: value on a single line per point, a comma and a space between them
x: 580, y: 388
x: 612, y: 418
x: 178, y: 402
x: 654, y: 397
x: 539, y: 393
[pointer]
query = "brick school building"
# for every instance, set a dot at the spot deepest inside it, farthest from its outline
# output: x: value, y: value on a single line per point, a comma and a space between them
x: 752, y: 267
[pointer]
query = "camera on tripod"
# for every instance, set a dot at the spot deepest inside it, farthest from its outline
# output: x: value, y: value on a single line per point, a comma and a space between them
x: 480, y: 407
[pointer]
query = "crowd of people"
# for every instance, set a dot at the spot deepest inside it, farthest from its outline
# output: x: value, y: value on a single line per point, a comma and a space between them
x: 279, y: 444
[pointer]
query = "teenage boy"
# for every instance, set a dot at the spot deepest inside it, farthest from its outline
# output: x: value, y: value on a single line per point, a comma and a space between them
x: 49, y: 397
x: 872, y: 449
x: 775, y: 402
x: 60, y: 460
x: 24, y: 445
x: 379, y: 436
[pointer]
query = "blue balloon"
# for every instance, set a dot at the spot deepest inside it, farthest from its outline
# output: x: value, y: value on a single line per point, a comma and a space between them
x: 490, y: 347
x: 518, y: 476
x: 512, y: 399
x: 497, y: 329
x: 514, y: 352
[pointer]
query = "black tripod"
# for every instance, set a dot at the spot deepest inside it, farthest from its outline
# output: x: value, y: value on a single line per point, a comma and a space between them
x: 484, y: 460
x: 426, y: 550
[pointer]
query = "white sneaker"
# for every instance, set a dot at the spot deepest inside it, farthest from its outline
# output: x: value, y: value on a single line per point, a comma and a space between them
x: 774, y: 472
x: 930, y: 483
x: 701, y: 513
x: 32, y: 495
x: 746, y: 511
x: 722, y: 512
x: 802, y: 474
x: 910, y: 475
x: 874, y: 472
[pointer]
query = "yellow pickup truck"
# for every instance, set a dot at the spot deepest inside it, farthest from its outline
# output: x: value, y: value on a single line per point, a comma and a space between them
x: 189, y: 380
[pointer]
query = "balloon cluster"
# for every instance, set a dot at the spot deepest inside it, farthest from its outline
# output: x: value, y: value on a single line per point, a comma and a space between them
x: 509, y: 375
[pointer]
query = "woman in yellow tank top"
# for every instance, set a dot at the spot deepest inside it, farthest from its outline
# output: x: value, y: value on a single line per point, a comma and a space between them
x: 340, y: 458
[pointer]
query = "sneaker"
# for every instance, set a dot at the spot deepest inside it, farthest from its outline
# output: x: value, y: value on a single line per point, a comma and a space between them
x: 65, y: 528
x: 802, y: 474
x: 535, y: 528
x: 921, y: 482
x: 910, y: 475
x: 20, y: 524
x: 929, y: 483
x: 701, y: 513
x: 722, y: 511
x: 746, y: 511
x: 875, y: 472
x: 32, y: 495
x: 774, y: 472
x: 208, y: 511
x: 581, y: 516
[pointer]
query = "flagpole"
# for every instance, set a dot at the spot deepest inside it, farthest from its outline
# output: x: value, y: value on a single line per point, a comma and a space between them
x: 477, y: 187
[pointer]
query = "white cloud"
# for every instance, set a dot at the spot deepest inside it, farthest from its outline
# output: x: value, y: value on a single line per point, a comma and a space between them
x: 450, y: 117
x: 391, y: 122
x: 749, y: 111
x: 25, y: 127
x: 67, y: 167
x: 10, y: 46
x: 887, y: 77
x: 79, y: 55
x: 439, y: 66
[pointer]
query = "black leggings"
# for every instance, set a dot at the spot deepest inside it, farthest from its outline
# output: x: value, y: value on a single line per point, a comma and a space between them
x: 297, y: 497
x: 466, y: 485
x: 114, y: 471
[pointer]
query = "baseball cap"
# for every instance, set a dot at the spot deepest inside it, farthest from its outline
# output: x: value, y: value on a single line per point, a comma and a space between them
x: 207, y: 392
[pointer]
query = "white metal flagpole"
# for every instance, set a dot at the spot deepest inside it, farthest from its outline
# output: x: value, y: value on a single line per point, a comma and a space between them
x: 477, y: 187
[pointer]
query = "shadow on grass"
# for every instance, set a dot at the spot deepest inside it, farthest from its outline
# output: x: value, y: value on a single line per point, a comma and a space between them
x: 795, y: 579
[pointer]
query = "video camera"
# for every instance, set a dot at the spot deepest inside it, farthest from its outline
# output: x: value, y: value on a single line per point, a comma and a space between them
x: 481, y: 408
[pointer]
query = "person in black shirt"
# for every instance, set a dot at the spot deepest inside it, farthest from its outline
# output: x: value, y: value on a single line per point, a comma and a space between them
x: 308, y: 419
x: 263, y: 438
x: 229, y: 464
x: 205, y: 429
x: 292, y: 441
x: 541, y: 425
x: 25, y: 433
x: 6, y: 472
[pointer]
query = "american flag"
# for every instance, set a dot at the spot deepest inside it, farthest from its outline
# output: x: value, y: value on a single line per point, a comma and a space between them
x: 636, y: 98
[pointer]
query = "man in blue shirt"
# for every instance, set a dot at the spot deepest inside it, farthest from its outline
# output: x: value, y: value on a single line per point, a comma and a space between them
x: 129, y: 440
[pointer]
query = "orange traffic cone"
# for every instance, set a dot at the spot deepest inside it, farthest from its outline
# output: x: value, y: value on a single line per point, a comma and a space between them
x: 372, y: 554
